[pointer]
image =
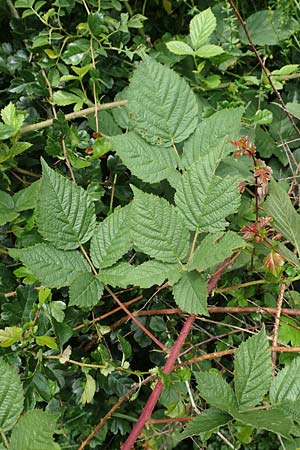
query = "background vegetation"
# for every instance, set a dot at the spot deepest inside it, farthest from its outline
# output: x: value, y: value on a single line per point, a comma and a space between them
x: 77, y: 369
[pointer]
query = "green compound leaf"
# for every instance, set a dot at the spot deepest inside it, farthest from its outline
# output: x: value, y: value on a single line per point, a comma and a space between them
x: 286, y: 384
x: 111, y: 239
x: 65, y: 213
x: 190, y: 293
x: 85, y: 291
x: 213, y: 132
x: 34, y: 431
x: 54, y: 268
x: 204, y: 199
x: 162, y: 106
x: 272, y: 420
x: 157, y: 229
x: 252, y: 370
x: 148, y: 162
x: 201, y: 27
x: 214, y: 249
x: 285, y: 218
x: 216, y: 391
x: 11, y: 396
x: 210, y: 420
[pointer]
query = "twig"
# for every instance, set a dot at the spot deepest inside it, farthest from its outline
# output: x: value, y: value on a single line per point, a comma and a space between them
x: 136, y: 386
x: 134, y: 319
x: 110, y: 313
x: 269, y: 78
x: 4, y: 439
x: 107, y: 416
x: 71, y: 116
x: 276, y: 324
x: 174, y: 353
x: 63, y: 142
x: 153, y: 399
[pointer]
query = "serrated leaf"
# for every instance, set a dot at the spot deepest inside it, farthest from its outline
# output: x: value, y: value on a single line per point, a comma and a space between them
x: 54, y: 268
x: 179, y: 48
x: 190, y: 293
x: 162, y: 106
x: 85, y: 291
x: 10, y: 336
x: 216, y: 391
x: 12, y: 117
x: 117, y: 275
x: 65, y: 213
x: 145, y: 275
x: 111, y: 239
x: 89, y: 390
x: 211, y: 419
x: 286, y: 385
x: 209, y: 50
x: 157, y: 229
x: 11, y: 396
x: 27, y: 198
x: 7, y: 208
x: 204, y: 199
x: 252, y: 370
x: 150, y: 163
x: 152, y: 273
x: 271, y: 420
x: 214, y: 249
x: 34, y: 431
x: 201, y: 27
x: 212, y: 132
x: 285, y: 218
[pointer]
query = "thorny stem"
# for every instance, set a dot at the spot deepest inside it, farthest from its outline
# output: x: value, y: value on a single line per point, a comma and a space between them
x: 147, y: 380
x: 276, y: 324
x: 174, y: 353
x: 276, y: 92
x: 71, y: 116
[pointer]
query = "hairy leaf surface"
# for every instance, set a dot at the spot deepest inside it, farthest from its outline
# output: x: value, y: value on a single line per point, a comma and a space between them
x: 111, y: 239
x: 286, y: 384
x: 54, y: 268
x: 150, y: 163
x: 11, y: 396
x: 157, y: 229
x: 162, y: 105
x: 271, y: 420
x: 214, y: 249
x: 216, y: 391
x: 204, y: 199
x: 85, y: 291
x: 34, y: 431
x: 213, y: 132
x: 209, y: 420
x: 285, y: 218
x: 65, y: 213
x: 190, y: 293
x: 252, y: 370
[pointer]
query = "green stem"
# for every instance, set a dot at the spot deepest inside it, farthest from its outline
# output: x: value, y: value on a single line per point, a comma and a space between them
x: 74, y: 115
x: 4, y: 439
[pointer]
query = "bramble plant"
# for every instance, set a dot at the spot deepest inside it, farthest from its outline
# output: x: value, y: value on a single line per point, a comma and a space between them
x: 150, y: 227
